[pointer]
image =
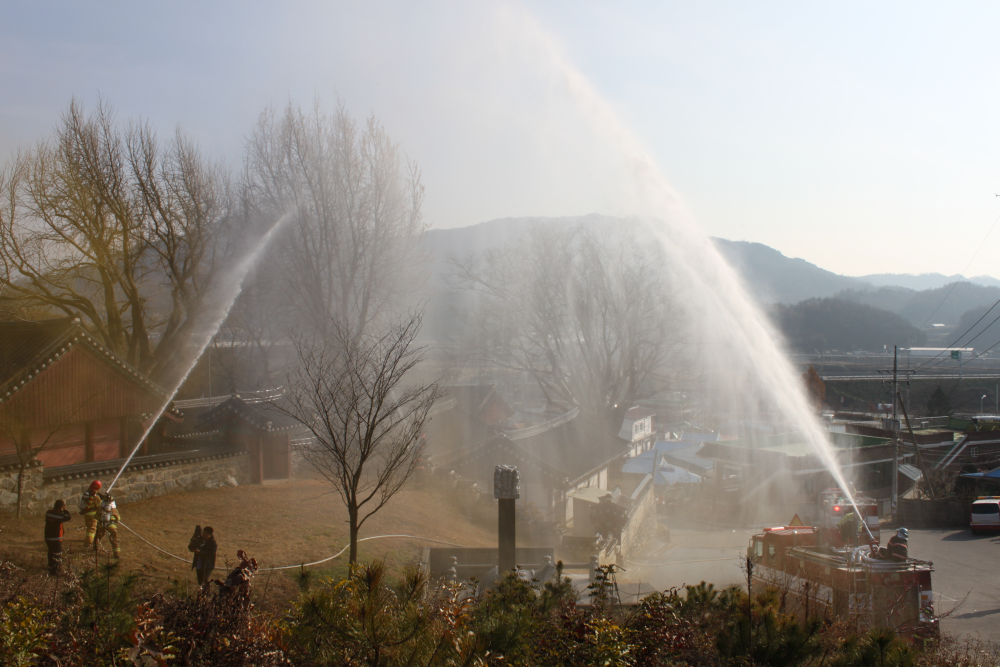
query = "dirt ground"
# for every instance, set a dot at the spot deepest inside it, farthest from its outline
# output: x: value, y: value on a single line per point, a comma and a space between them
x: 288, y: 523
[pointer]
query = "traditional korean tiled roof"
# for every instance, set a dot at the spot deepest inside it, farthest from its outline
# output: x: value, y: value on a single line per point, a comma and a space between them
x: 28, y: 347
x: 265, y: 417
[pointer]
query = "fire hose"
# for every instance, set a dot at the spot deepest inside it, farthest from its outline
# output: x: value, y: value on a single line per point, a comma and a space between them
x: 292, y: 567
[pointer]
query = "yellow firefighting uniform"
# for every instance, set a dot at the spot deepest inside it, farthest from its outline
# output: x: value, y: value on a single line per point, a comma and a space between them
x: 90, y: 505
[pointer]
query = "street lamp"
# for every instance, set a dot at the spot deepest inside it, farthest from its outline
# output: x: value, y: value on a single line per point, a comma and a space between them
x: 981, y: 404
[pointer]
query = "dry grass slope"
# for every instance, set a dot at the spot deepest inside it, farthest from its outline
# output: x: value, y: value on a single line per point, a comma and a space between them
x: 281, y: 524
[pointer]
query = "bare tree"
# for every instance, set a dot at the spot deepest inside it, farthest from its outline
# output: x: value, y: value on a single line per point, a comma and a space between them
x: 349, y: 391
x: 249, y: 350
x: 105, y: 223
x: 353, y: 251
x: 586, y: 312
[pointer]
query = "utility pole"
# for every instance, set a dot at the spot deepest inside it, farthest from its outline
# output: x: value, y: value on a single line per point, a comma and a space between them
x: 894, y: 422
x: 895, y: 429
x: 916, y: 450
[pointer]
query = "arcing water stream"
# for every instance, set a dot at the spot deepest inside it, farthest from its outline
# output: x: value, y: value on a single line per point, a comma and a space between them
x: 746, y: 360
x: 228, y: 291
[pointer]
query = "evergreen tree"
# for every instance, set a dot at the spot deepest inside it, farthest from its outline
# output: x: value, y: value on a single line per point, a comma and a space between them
x: 938, y: 404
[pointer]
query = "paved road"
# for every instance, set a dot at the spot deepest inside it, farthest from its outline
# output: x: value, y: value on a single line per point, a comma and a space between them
x: 967, y: 574
x: 692, y: 556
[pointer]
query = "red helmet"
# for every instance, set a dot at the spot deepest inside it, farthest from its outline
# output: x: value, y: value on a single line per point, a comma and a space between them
x: 95, y: 485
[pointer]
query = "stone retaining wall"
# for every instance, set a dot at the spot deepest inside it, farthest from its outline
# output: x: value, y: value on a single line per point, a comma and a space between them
x: 139, y: 482
x: 641, y: 523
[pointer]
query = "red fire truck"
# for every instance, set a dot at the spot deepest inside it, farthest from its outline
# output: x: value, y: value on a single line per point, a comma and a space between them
x: 845, y: 582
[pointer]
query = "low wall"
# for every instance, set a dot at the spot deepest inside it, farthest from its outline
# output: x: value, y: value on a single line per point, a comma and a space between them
x: 478, y: 561
x: 8, y: 484
x: 933, y: 513
x: 145, y: 477
x: 641, y: 522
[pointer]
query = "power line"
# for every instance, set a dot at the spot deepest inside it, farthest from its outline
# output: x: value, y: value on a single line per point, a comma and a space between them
x: 964, y: 271
x: 962, y: 335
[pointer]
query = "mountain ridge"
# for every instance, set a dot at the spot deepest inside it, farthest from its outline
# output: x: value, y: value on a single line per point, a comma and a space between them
x: 770, y: 276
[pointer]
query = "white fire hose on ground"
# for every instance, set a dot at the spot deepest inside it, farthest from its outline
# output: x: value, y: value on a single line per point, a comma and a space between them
x: 292, y: 567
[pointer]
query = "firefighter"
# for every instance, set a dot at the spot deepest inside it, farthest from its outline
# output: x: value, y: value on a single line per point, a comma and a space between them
x: 90, y: 507
x: 107, y: 524
x: 849, y: 527
x: 897, y: 548
x: 54, y: 520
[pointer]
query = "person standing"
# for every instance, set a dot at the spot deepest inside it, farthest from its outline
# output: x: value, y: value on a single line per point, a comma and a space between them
x: 108, y: 524
x: 204, y: 556
x: 194, y: 544
x: 90, y: 507
x: 54, y: 520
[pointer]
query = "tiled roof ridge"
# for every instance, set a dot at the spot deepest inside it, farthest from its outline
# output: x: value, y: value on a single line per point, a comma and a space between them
x: 74, y: 334
x: 244, y: 410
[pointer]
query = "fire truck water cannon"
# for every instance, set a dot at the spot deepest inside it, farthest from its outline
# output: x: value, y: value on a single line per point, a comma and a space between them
x: 837, y: 525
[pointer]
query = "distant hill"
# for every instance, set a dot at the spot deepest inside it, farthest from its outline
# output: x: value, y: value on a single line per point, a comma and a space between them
x: 927, y: 306
x: 769, y: 275
x: 774, y: 278
x: 983, y: 328
x: 837, y: 324
x: 925, y: 281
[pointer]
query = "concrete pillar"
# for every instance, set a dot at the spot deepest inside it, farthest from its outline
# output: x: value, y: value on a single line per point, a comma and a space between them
x: 506, y: 490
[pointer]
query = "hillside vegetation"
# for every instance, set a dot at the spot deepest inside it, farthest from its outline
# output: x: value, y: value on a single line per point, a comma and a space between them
x: 820, y: 325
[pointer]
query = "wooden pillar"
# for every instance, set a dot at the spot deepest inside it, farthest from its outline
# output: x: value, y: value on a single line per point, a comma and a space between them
x: 506, y: 490
x: 256, y: 460
x: 123, y: 446
x: 88, y: 441
x: 288, y: 456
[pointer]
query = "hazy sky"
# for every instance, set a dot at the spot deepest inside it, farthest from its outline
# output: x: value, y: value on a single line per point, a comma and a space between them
x: 862, y: 137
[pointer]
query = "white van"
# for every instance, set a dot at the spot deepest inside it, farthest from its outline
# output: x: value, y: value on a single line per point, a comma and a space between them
x: 984, y: 514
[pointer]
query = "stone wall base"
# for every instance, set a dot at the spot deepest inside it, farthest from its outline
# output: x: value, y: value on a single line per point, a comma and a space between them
x: 137, y: 483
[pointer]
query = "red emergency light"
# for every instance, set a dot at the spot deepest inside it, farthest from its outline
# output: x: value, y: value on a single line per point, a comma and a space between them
x: 836, y: 508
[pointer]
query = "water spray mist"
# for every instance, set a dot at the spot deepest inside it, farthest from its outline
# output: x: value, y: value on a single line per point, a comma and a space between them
x: 230, y: 289
x: 747, y: 344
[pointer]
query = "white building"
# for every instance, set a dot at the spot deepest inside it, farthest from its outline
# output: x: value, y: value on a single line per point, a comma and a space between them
x: 637, y: 430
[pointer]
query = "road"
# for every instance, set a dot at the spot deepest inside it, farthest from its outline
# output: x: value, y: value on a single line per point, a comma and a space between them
x: 691, y: 556
x: 966, y: 577
x: 965, y: 574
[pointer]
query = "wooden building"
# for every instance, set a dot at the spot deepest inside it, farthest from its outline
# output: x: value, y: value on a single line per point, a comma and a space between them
x: 64, y: 391
x: 257, y: 427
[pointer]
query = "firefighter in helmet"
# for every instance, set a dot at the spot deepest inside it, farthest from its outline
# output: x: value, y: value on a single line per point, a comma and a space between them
x: 850, y: 527
x: 896, y: 548
x: 90, y: 508
x: 107, y: 524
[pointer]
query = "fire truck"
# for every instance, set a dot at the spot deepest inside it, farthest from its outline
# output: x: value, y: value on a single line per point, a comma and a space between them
x: 835, y: 581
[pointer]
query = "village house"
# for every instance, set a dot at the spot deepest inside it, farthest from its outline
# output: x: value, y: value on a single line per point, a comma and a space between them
x: 637, y: 430
x: 767, y: 479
